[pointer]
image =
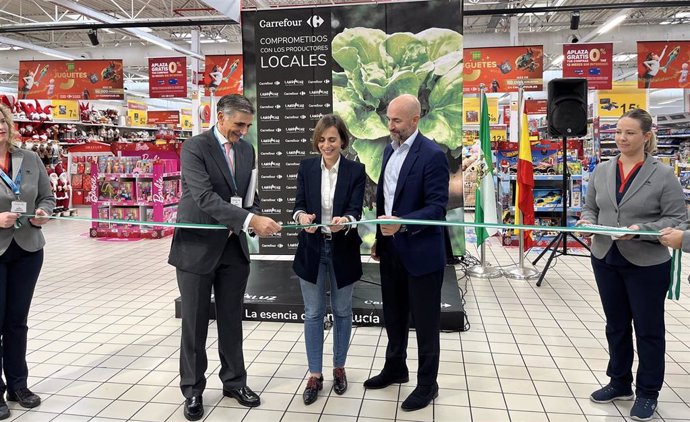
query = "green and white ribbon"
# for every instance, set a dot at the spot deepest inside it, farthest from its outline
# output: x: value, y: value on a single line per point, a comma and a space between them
x: 673, y: 290
x: 674, y: 286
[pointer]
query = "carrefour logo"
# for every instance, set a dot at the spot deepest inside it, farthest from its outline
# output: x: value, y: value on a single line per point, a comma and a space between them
x: 315, y: 21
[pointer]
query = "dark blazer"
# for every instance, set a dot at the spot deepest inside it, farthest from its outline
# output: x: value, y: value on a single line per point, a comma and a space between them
x: 347, y: 200
x: 35, y: 190
x: 206, y: 192
x: 653, y: 201
x: 421, y: 193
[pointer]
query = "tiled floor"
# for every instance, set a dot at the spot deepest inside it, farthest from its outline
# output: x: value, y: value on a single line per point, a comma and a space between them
x: 104, y: 347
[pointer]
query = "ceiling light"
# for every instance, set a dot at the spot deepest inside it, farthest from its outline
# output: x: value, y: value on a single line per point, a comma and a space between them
x: 612, y: 24
x: 575, y: 20
x: 670, y: 101
x: 93, y: 37
x: 624, y: 57
x: 682, y: 15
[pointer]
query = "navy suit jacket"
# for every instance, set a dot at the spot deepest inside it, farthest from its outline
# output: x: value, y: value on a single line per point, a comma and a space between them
x: 421, y: 193
x: 347, y: 200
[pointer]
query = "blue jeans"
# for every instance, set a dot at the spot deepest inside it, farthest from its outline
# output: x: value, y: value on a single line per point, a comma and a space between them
x: 314, y: 295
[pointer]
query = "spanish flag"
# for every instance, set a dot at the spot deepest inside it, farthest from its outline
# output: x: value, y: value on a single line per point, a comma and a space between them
x: 524, y: 196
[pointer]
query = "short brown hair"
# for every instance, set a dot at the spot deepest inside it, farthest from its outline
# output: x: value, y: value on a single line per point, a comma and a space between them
x: 7, y: 114
x: 330, y: 120
x: 645, y: 121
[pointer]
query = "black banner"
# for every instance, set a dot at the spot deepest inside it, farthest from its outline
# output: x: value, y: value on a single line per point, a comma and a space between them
x: 300, y: 64
x: 292, y: 63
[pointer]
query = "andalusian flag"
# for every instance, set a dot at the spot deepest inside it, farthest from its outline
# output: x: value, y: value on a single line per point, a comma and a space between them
x: 485, y: 197
x: 524, y: 196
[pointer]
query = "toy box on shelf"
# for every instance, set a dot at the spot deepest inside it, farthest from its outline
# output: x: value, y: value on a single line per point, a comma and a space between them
x: 547, y: 164
x: 134, y: 189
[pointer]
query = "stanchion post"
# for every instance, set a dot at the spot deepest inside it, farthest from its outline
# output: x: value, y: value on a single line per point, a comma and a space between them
x: 483, y: 270
x: 520, y: 271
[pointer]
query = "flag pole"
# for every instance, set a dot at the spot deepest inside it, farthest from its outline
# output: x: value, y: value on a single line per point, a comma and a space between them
x: 520, y: 271
x: 483, y: 270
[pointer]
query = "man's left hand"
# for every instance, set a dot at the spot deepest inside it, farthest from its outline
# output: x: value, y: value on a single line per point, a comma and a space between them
x: 389, y: 229
x: 39, y: 221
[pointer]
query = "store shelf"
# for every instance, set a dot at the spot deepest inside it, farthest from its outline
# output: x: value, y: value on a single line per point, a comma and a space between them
x: 550, y: 177
x: 76, y: 122
x: 114, y: 176
x: 135, y: 203
x: 551, y: 209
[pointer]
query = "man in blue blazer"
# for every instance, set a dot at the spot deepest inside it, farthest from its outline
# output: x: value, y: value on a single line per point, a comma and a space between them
x: 413, y: 185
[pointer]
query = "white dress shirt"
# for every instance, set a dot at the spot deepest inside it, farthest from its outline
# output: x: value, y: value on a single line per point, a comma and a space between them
x: 392, y: 171
x: 222, y: 140
x: 329, y: 179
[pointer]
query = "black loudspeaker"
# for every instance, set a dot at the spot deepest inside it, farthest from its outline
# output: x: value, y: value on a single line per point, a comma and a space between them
x: 567, y: 107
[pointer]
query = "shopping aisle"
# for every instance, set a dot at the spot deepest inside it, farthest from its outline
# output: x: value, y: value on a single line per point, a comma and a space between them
x: 104, y: 347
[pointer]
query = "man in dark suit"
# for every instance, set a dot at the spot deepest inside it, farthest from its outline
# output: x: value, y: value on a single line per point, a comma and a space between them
x: 216, y: 171
x: 413, y: 185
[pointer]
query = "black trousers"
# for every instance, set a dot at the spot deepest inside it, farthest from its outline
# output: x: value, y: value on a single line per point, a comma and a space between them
x: 634, y: 296
x: 19, y: 272
x: 403, y: 294
x: 229, y: 281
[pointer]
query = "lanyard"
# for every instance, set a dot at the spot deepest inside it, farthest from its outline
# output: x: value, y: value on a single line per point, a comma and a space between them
x: 14, y: 185
x: 227, y: 160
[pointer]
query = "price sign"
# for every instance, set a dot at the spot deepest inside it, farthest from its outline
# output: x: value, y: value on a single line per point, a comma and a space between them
x: 620, y: 100
x: 470, y: 110
x: 65, y: 110
x: 498, y: 134
x: 186, y: 119
x: 136, y: 113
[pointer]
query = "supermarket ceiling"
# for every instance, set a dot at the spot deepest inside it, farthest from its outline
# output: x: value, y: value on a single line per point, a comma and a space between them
x: 64, y: 25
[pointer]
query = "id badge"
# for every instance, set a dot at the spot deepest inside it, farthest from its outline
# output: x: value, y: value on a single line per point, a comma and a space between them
x: 236, y: 201
x: 18, y: 207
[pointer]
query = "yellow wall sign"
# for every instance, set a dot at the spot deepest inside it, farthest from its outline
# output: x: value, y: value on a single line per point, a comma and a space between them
x: 470, y: 110
x: 498, y: 134
x: 186, y: 118
x: 65, y: 110
x: 136, y: 113
x: 621, y: 99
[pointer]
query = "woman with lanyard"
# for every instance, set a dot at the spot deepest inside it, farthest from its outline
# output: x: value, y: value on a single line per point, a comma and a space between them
x: 330, y: 191
x: 24, y: 191
x: 633, y: 272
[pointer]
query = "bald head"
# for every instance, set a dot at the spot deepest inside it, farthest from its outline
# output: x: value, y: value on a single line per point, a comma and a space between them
x: 403, y: 117
x: 407, y: 103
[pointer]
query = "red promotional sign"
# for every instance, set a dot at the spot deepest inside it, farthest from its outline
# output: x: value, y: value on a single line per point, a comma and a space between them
x: 223, y: 75
x: 71, y: 79
x: 593, y: 62
x: 663, y: 64
x: 163, y: 117
x: 535, y: 106
x: 168, y: 77
x: 502, y: 69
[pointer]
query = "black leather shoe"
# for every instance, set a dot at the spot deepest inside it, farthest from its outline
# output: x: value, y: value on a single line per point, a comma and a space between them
x: 420, y: 398
x: 4, y: 410
x: 339, y: 381
x: 383, y: 380
x: 194, y: 408
x: 311, y: 392
x: 24, y: 397
x: 244, y: 395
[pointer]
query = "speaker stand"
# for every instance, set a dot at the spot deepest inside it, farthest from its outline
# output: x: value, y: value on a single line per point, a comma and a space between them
x: 559, y: 245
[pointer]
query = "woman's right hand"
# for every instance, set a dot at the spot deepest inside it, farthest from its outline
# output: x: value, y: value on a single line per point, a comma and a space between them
x: 584, y: 223
x: 304, y: 219
x: 7, y: 219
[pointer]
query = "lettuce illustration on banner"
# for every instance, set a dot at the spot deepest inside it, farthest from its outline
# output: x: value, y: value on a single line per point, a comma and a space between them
x: 377, y: 67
